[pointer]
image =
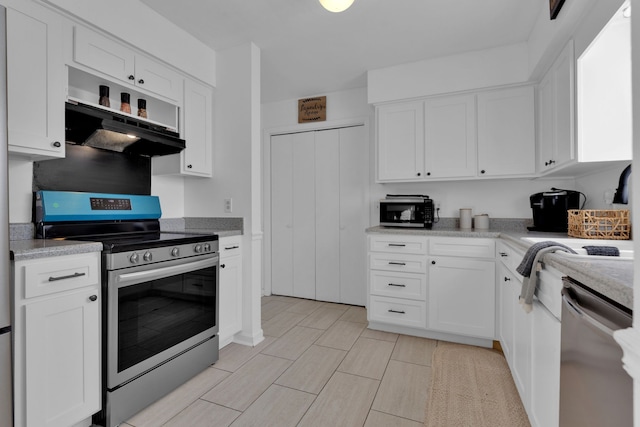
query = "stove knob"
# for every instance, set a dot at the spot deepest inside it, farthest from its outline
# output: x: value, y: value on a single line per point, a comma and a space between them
x: 207, y: 247
x: 147, y: 256
x: 134, y: 258
x: 175, y: 252
x: 198, y: 248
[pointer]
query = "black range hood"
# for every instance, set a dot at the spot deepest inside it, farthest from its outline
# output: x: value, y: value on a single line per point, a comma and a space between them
x: 94, y: 127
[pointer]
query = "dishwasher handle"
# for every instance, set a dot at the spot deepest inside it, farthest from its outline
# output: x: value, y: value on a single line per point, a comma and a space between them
x: 575, y: 309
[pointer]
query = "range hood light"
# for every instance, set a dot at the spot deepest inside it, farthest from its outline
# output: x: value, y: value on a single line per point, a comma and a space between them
x: 87, y: 125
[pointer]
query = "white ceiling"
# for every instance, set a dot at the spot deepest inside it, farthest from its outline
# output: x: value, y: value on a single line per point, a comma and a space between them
x: 308, y: 51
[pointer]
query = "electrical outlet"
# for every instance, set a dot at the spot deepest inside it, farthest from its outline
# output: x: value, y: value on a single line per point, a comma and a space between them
x: 228, y: 205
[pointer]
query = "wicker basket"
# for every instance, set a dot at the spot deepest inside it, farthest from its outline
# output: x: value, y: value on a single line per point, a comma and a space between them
x: 599, y: 224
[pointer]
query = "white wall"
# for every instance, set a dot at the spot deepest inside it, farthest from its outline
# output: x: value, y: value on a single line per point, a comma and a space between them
x: 504, y: 198
x: 596, y: 184
x: 20, y: 190
x: 236, y: 152
x: 468, y: 71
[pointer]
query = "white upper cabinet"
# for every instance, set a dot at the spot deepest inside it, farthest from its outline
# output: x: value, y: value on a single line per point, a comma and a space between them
x: 450, y: 137
x: 35, y: 82
x: 486, y: 134
x: 119, y: 61
x: 197, y: 130
x: 556, y: 113
x: 506, y: 132
x: 400, y: 133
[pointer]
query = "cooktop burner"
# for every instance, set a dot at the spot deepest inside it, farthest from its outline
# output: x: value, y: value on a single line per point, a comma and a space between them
x: 122, y: 243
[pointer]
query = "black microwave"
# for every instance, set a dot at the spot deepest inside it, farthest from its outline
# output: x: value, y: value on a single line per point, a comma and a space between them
x: 406, y: 211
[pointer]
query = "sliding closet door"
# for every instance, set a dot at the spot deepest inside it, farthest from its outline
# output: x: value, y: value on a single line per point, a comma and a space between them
x: 328, y: 215
x: 354, y: 215
x: 304, y: 216
x: 293, y: 215
x: 282, y: 214
x: 319, y: 211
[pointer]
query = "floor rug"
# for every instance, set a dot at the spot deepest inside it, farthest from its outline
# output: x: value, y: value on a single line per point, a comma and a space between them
x: 472, y: 387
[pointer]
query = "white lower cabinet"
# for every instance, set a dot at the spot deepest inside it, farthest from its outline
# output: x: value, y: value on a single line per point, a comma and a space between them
x: 439, y: 287
x: 507, y: 297
x: 461, y: 288
x: 57, y: 350
x: 462, y: 296
x: 531, y: 341
x: 545, y: 368
x: 230, y: 289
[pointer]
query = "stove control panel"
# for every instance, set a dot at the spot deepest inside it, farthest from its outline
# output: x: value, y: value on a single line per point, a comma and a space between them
x: 116, y: 261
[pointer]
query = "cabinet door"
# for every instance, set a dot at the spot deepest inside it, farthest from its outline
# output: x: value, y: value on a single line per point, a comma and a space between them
x: 62, y: 347
x: 546, y: 124
x: 545, y: 367
x: 35, y: 83
x: 158, y: 78
x: 103, y: 55
x: 462, y: 296
x: 556, y: 113
x: 508, y: 301
x: 506, y: 132
x: 198, y: 130
x: 522, y: 349
x: 400, y: 145
x: 230, y: 295
x: 564, y: 85
x: 450, y: 137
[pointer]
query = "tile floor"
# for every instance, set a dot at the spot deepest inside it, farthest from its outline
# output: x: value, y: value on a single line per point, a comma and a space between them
x: 319, y: 365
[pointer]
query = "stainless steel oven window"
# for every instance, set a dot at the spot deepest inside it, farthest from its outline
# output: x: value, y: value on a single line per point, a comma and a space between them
x: 157, y: 312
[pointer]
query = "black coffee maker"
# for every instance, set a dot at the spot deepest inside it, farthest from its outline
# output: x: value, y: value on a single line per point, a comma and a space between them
x: 550, y: 209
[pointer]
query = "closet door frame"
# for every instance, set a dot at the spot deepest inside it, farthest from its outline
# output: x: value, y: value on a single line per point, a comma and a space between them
x: 266, y: 178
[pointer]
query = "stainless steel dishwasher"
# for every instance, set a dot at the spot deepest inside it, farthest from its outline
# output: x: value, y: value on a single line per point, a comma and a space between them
x: 595, y: 390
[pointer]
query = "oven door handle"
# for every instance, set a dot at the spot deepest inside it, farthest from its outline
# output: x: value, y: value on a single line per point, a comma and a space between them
x: 159, y: 273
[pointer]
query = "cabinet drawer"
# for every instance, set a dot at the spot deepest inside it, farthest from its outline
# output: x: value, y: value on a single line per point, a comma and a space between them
x: 398, y: 311
x: 398, y: 244
x: 399, y: 285
x: 462, y: 247
x: 59, y: 274
x: 509, y: 256
x: 398, y: 262
x: 229, y: 246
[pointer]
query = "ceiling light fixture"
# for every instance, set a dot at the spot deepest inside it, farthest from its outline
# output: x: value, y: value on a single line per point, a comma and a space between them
x: 336, y: 5
x: 626, y: 12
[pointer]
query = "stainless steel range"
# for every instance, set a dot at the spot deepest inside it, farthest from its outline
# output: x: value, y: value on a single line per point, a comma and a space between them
x: 159, y: 293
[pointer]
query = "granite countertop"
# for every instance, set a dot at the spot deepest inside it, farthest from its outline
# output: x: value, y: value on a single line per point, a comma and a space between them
x: 611, y: 278
x: 21, y: 250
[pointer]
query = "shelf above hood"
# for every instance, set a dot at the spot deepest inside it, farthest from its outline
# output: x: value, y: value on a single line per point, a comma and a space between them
x: 107, y: 130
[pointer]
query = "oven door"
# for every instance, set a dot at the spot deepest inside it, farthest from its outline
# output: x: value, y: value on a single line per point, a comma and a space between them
x: 155, y: 312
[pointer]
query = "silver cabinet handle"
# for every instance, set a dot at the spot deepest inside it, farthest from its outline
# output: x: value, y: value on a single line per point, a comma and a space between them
x: 399, y: 286
x: 231, y: 247
x: 396, y: 311
x: 70, y: 276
